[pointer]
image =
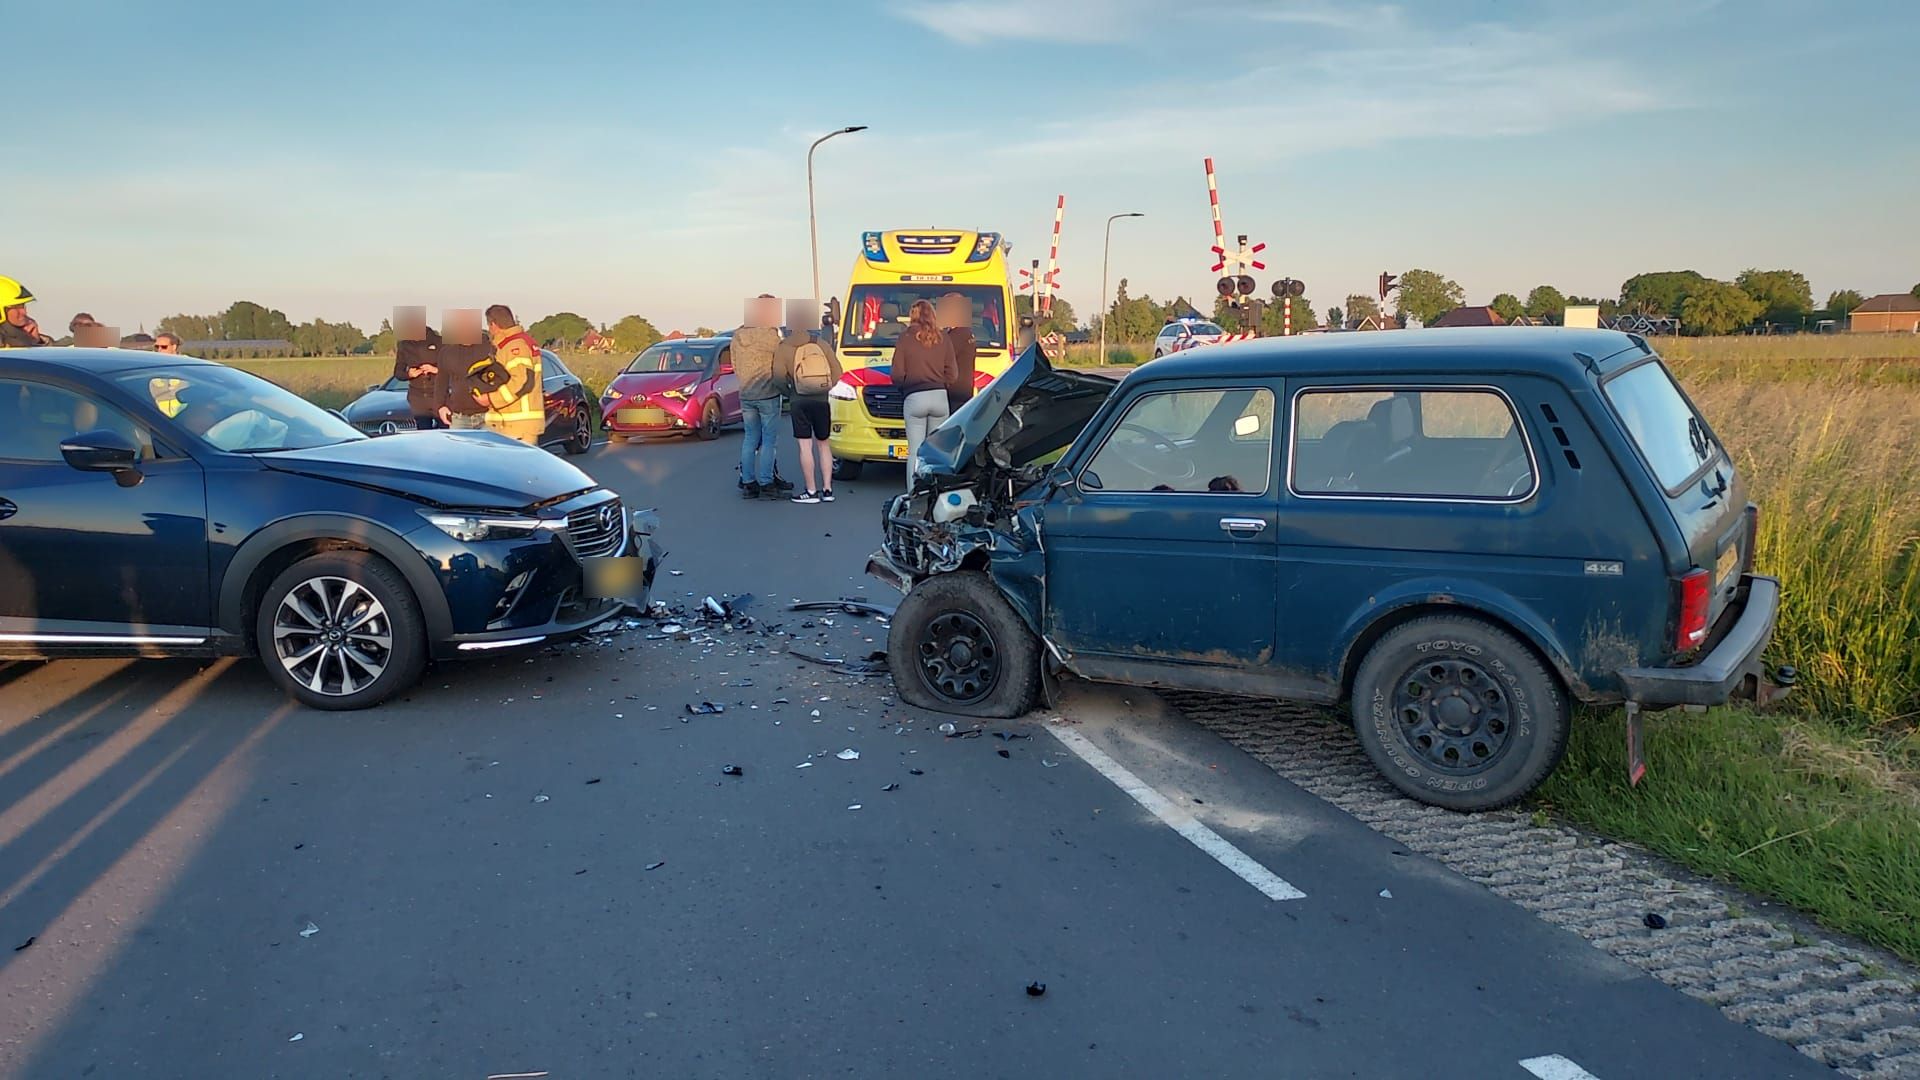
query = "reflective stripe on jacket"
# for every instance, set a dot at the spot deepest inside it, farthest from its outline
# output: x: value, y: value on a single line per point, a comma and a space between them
x: 520, y: 397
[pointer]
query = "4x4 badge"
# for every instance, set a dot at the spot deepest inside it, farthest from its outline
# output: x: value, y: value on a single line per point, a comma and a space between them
x: 1605, y: 569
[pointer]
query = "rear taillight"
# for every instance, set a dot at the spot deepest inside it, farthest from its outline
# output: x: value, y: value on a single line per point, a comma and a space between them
x: 1695, y: 592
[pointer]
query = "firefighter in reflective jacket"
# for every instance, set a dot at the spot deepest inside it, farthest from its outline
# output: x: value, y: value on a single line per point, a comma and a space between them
x: 516, y: 404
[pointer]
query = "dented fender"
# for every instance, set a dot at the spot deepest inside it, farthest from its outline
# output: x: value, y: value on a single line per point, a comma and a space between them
x: 1448, y: 596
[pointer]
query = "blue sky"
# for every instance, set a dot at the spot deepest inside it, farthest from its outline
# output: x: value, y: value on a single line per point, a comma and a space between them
x: 335, y: 159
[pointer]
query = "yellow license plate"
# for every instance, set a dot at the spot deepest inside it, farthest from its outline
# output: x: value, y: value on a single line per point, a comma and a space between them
x: 897, y: 450
x: 640, y: 417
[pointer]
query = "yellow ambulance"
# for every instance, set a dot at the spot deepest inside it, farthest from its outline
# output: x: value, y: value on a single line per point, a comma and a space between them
x: 897, y: 267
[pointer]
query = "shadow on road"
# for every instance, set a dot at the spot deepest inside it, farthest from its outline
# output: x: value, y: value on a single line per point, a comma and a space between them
x: 93, y: 755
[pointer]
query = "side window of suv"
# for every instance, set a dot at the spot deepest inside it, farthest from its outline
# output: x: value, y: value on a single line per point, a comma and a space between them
x: 35, y: 418
x: 1211, y: 441
x: 1410, y: 443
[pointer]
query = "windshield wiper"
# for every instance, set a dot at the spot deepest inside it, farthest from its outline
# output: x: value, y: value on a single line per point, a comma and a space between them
x: 1697, y: 435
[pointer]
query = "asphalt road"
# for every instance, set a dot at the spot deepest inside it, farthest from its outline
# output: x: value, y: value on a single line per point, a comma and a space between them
x: 169, y: 829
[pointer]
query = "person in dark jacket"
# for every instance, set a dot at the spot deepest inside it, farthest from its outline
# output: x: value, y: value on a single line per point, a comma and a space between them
x: 416, y: 358
x: 923, y: 368
x: 465, y: 358
x: 956, y: 316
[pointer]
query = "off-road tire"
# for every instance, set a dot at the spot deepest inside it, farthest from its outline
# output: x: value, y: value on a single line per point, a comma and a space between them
x: 405, y: 656
x: 1491, y: 691
x: 954, y: 608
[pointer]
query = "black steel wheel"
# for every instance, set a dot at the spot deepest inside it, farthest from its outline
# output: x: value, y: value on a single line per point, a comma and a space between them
x: 958, y: 646
x: 1459, y: 713
x: 710, y: 420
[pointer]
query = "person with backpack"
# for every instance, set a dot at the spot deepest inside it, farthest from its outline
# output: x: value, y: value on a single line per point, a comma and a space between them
x: 805, y: 365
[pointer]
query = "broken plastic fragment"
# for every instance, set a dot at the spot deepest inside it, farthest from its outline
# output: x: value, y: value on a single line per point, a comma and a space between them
x: 1045, y: 764
x: 1035, y: 989
x: 309, y: 930
x: 916, y: 772
x: 658, y: 865
x: 541, y: 798
x: 1655, y: 921
x: 848, y: 754
x: 1386, y: 894
x: 705, y: 708
x: 730, y: 770
x: 297, y: 1036
x: 1009, y: 736
x: 948, y: 728
x: 891, y: 787
x: 1003, y: 752
x: 855, y: 806
x: 804, y: 765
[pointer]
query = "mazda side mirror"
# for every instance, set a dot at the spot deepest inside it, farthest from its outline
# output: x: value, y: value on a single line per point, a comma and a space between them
x: 104, y: 451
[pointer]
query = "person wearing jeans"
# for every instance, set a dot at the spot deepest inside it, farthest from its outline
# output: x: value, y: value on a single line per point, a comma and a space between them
x: 752, y: 348
x: 923, y: 367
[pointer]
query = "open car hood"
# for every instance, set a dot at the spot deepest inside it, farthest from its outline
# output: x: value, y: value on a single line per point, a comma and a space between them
x: 1030, y: 411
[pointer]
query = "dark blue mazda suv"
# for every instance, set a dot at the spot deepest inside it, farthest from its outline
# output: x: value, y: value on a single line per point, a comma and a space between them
x: 168, y: 506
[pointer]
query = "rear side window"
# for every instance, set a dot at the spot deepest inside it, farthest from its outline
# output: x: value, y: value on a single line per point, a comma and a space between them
x: 1410, y: 443
x: 1668, y: 432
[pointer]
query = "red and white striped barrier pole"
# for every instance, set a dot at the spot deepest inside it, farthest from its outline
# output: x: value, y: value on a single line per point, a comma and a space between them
x: 1219, y: 232
x: 1051, y: 280
x: 1286, y: 317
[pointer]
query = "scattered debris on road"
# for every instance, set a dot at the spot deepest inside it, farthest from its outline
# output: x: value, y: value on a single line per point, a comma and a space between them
x: 297, y: 1036
x: 1035, y: 989
x: 852, y: 605
x: 855, y: 806
x: 542, y: 798
x: 309, y: 930
x: 730, y: 770
x: 706, y: 708
x: 595, y: 780
x: 23, y: 946
x: 1386, y: 894
x: 1655, y: 921
x: 849, y: 754
x: 891, y: 787
x: 658, y: 865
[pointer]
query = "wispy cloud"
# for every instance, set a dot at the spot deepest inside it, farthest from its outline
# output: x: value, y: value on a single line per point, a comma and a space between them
x: 977, y: 22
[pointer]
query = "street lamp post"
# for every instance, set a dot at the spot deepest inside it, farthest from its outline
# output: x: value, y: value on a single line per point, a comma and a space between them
x: 813, y: 228
x: 1105, y: 251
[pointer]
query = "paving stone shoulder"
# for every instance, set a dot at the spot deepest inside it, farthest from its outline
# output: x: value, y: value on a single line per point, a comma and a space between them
x: 1842, y: 1003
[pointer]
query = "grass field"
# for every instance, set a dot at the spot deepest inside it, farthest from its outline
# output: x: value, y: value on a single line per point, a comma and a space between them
x: 1817, y: 802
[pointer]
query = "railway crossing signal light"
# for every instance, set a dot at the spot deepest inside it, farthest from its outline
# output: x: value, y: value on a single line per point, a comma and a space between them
x: 1286, y: 287
x: 1225, y: 286
x: 1387, y: 284
x: 1245, y: 285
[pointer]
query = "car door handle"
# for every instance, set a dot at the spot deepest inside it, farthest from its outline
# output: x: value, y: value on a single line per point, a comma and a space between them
x: 1243, y: 525
x: 7, y: 509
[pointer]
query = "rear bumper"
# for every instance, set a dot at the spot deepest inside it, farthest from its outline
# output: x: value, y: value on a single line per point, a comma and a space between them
x: 1732, y: 668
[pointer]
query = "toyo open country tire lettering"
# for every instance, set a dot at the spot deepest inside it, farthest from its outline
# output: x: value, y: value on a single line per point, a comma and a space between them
x: 341, y: 630
x: 957, y: 646
x: 1459, y: 713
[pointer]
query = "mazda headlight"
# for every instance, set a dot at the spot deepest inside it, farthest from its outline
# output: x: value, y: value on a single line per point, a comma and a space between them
x: 843, y: 391
x: 469, y: 528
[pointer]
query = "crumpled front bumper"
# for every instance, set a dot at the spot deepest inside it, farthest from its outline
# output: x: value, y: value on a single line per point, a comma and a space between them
x: 1732, y: 668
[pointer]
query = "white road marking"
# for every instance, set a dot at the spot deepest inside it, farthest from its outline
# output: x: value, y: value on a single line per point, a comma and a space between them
x: 1555, y: 1067
x: 1178, y: 819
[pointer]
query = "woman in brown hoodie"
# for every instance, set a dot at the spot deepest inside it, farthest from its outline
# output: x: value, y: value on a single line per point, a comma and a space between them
x: 923, y: 368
